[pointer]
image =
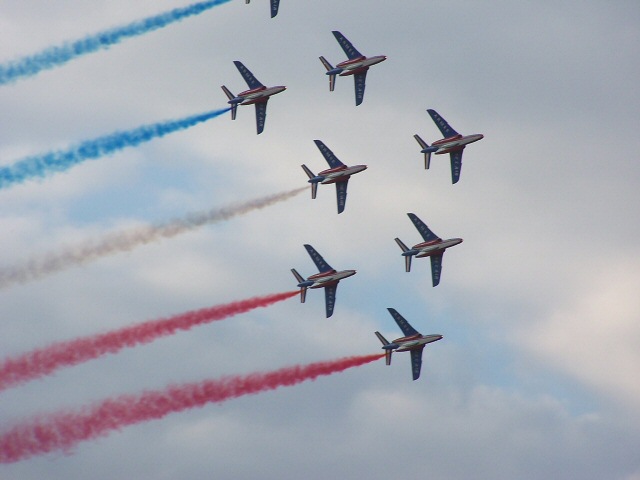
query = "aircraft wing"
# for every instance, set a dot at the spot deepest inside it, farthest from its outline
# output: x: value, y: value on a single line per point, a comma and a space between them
x: 328, y: 155
x: 436, y: 268
x: 261, y: 115
x: 349, y: 50
x: 252, y: 81
x: 407, y: 329
x: 274, y: 7
x: 456, y: 165
x: 317, y: 259
x: 426, y: 233
x: 330, y: 298
x: 416, y: 361
x: 341, y: 193
x: 359, y: 83
x: 442, y: 124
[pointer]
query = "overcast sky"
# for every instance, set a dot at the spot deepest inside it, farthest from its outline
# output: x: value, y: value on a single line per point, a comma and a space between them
x: 537, y: 374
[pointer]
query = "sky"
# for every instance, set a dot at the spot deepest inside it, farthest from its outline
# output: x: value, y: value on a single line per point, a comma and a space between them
x: 536, y: 375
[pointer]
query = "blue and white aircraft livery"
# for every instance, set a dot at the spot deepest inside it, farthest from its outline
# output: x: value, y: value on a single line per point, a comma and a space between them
x: 453, y: 143
x: 257, y: 95
x: 356, y: 65
x: 413, y: 342
x: 433, y: 246
x: 338, y: 173
x: 274, y: 7
x: 327, y: 278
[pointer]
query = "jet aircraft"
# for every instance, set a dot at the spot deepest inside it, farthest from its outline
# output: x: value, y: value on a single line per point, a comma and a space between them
x: 453, y: 143
x: 356, y: 65
x: 338, y: 173
x: 274, y: 7
x: 433, y: 246
x: 327, y: 278
x: 257, y: 95
x: 413, y: 342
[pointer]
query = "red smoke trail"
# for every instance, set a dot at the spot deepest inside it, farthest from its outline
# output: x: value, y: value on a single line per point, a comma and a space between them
x: 45, y: 360
x: 63, y: 430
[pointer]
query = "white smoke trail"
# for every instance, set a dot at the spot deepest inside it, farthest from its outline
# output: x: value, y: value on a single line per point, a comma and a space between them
x: 41, y: 265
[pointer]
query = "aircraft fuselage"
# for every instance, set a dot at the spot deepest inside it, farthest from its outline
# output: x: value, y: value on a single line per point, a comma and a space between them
x: 414, y: 341
x: 256, y: 95
x: 327, y: 279
x: 426, y: 249
x: 358, y: 65
x: 454, y: 144
x: 340, y: 174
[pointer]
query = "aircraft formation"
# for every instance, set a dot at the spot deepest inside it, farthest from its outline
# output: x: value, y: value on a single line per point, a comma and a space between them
x: 432, y: 246
x: 453, y: 143
x: 327, y: 277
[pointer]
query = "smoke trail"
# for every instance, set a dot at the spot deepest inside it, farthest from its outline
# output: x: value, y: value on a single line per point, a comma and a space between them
x: 64, y: 429
x: 46, y: 360
x: 56, y: 56
x: 51, y: 262
x: 58, y: 161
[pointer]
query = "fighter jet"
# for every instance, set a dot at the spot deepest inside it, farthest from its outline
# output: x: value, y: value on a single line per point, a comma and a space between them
x: 413, y: 342
x: 433, y: 246
x: 274, y: 7
x: 356, y: 65
x: 257, y: 95
x: 453, y: 143
x: 328, y: 279
x: 339, y: 173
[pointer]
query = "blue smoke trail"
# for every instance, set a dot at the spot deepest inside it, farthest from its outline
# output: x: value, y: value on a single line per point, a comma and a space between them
x: 55, y: 56
x: 58, y: 161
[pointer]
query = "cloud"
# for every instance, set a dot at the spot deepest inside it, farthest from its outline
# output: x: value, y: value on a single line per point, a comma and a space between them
x: 593, y: 336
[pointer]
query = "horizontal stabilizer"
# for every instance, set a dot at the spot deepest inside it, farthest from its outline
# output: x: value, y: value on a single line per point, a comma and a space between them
x: 314, y: 184
x: 407, y: 258
x: 387, y: 352
x: 231, y: 96
x: 383, y: 340
x: 297, y: 275
x: 387, y: 356
x: 326, y: 63
x: 308, y: 171
x: 427, y: 155
x: 332, y: 76
x: 303, y: 290
x: 401, y: 245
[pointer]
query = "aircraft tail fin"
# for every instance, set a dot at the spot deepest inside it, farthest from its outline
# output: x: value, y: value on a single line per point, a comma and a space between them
x: 314, y: 185
x: 231, y: 96
x: 387, y: 352
x: 427, y: 155
x: 303, y: 290
x: 407, y: 258
x: 332, y: 76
